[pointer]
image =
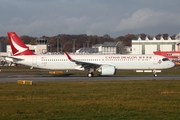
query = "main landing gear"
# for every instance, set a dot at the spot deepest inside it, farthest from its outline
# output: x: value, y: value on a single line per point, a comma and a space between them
x: 90, y: 74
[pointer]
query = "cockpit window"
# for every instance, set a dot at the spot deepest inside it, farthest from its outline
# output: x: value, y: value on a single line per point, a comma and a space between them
x: 165, y: 59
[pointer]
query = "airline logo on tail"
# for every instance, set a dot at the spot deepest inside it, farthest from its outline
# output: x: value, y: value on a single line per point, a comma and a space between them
x: 17, y: 45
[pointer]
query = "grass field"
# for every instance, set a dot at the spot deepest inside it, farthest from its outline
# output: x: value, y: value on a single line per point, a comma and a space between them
x: 91, y: 100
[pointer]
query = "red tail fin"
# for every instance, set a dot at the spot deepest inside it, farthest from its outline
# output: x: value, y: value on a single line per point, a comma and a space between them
x: 17, y: 45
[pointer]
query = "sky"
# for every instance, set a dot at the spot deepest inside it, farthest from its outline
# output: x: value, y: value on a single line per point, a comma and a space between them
x: 92, y: 17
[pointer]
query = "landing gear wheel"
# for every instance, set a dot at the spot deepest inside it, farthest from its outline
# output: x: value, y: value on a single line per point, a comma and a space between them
x: 155, y: 75
x: 90, y: 75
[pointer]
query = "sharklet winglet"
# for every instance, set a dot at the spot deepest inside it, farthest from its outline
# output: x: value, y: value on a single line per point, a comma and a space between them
x: 68, y: 56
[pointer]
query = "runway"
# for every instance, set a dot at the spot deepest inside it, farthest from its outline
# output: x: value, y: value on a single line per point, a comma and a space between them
x: 51, y: 78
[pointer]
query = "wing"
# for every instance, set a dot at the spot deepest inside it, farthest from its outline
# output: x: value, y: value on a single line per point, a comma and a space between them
x: 86, y: 65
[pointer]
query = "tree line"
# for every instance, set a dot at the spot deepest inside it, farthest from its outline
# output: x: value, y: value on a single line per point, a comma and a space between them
x: 65, y: 41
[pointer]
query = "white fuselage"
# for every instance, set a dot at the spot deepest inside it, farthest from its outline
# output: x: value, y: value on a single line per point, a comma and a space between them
x: 121, y: 62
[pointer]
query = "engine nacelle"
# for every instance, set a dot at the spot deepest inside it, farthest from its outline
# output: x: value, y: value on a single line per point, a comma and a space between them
x: 107, y: 70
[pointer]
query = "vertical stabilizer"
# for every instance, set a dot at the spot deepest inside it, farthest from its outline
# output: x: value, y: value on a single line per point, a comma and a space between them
x: 17, y: 45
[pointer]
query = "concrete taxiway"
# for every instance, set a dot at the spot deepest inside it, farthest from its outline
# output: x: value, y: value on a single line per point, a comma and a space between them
x: 40, y: 75
x: 53, y: 78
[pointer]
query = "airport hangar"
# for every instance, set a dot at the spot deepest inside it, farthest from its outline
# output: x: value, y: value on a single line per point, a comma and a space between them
x: 148, y: 46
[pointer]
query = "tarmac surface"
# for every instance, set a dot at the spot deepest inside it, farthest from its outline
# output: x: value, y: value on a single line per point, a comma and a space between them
x: 40, y: 75
x: 53, y: 78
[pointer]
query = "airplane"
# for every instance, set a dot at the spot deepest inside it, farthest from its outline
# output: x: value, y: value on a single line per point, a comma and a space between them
x: 171, y: 55
x: 6, y: 61
x: 105, y: 64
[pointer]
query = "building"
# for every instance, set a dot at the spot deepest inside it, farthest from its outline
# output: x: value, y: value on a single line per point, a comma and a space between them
x: 105, y: 48
x: 87, y: 50
x: 3, y: 47
x: 148, y: 46
x: 110, y: 48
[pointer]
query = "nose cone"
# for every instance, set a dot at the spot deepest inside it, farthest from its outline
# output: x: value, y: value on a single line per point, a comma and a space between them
x: 171, y: 64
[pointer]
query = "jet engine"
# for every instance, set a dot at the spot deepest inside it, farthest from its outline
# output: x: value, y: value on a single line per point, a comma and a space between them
x: 107, y: 70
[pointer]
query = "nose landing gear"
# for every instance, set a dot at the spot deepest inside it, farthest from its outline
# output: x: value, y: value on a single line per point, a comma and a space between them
x: 155, y: 75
